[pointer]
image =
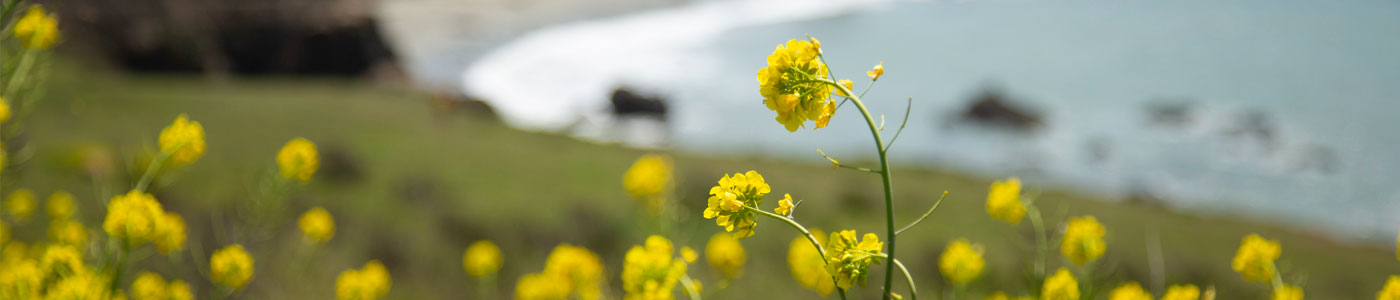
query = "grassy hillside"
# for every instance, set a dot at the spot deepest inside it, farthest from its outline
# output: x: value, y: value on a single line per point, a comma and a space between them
x: 412, y: 186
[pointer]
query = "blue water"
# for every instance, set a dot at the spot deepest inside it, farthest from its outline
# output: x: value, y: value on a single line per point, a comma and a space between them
x: 1324, y: 74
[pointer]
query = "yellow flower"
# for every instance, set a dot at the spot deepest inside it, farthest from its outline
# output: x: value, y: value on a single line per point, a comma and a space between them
x: 20, y: 279
x: 135, y: 217
x: 808, y: 266
x: 298, y: 160
x: 689, y: 255
x: 183, y: 140
x: 1391, y: 291
x: 20, y: 204
x: 540, y: 286
x: 1004, y: 201
x: 648, y: 181
x: 179, y: 290
x: 1182, y: 292
x: 317, y: 225
x: 1129, y: 291
x: 876, y: 71
x: 61, y: 261
x: 1255, y: 259
x: 728, y: 199
x: 726, y: 254
x: 149, y: 286
x: 650, y: 272
x: 784, y: 206
x: 1288, y: 292
x: 14, y: 252
x: 37, y: 30
x: 81, y: 286
x: 790, y: 84
x: 1083, y: 240
x: 67, y: 232
x: 1002, y: 296
x: 367, y: 283
x: 231, y: 267
x: 482, y: 259
x: 4, y: 110
x: 170, y: 236
x: 61, y: 206
x: 1061, y: 286
x: 849, y: 259
x: 961, y: 262
x: 850, y: 86
x: 577, y: 269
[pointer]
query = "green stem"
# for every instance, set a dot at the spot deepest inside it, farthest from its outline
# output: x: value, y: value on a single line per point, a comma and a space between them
x: 913, y: 291
x: 1041, y: 242
x: 884, y: 176
x: 689, y: 285
x: 21, y: 72
x: 151, y: 171
x: 810, y: 238
x: 925, y: 216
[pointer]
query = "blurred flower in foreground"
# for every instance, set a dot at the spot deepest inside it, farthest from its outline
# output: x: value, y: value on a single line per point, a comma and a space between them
x: 689, y: 255
x: 149, y: 286
x: 37, y: 30
x: 577, y: 269
x: 298, y: 160
x: 317, y: 225
x: 1004, y: 201
x: 651, y: 271
x: 80, y: 285
x: 961, y: 262
x: 1255, y: 258
x: 179, y: 290
x: 728, y: 199
x: 784, y: 206
x: 648, y: 181
x: 170, y: 234
x: 789, y: 85
x: 1129, y: 291
x: 1083, y: 240
x: 482, y: 259
x: 540, y: 286
x: 60, y: 261
x: 4, y: 110
x: 20, y: 204
x: 60, y: 205
x: 726, y: 254
x: 1002, y: 296
x: 1391, y: 291
x: 68, y: 232
x: 367, y: 283
x: 1061, y: 286
x: 1288, y: 292
x: 1182, y: 292
x: 808, y: 266
x: 134, y: 217
x: 231, y: 267
x: 183, y: 140
x: 20, y: 278
x: 849, y: 260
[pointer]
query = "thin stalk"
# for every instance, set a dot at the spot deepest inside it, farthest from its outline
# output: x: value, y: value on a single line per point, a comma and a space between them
x: 885, y: 177
x: 689, y: 285
x: 26, y: 60
x: 913, y: 291
x: 151, y: 171
x: 810, y: 238
x: 838, y: 164
x: 925, y: 216
x: 1040, y: 240
x: 909, y: 106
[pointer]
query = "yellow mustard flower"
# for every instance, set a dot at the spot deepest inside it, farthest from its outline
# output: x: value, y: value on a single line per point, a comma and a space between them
x: 689, y: 255
x: 999, y: 295
x: 961, y: 262
x: 808, y: 266
x: 38, y: 29
x: 850, y: 86
x: 317, y: 225
x: 849, y: 259
x: 179, y: 290
x: 170, y: 236
x: 134, y: 216
x: 149, y: 286
x: 784, y: 206
x: 81, y: 285
x: 68, y: 232
x: 231, y: 267
x: 726, y: 254
x: 4, y: 110
x: 1182, y: 292
x: 20, y: 204
x: 298, y: 160
x: 790, y: 84
x: 578, y: 269
x: 60, y: 261
x: 1004, y: 201
x: 1255, y: 258
x: 1288, y: 292
x: 13, y: 252
x: 649, y: 181
x: 650, y: 271
x: 540, y: 286
x: 482, y: 259
x: 20, y: 279
x: 1391, y: 291
x: 1129, y: 291
x: 1060, y: 286
x: 61, y: 205
x: 1083, y: 240
x: 367, y: 283
x: 183, y: 140
x: 876, y: 72
x: 728, y: 199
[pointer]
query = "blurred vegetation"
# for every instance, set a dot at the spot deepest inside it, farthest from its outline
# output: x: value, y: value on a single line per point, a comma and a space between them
x: 412, y: 184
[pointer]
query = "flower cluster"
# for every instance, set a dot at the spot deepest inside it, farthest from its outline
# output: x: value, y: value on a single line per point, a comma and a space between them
x: 317, y: 225
x: 808, y: 266
x: 961, y: 262
x: 138, y: 218
x: 651, y: 271
x: 1061, y: 286
x: 849, y: 259
x: 231, y: 267
x: 1004, y: 201
x: 1255, y: 258
x: 482, y: 259
x: 367, y: 283
x: 151, y: 286
x: 791, y: 85
x: 1083, y: 240
x: 649, y: 181
x: 1391, y: 291
x: 1129, y: 291
x: 1182, y: 292
x: 726, y: 254
x: 298, y: 160
x: 569, y: 272
x: 38, y: 29
x: 20, y: 204
x: 183, y: 140
x: 728, y: 201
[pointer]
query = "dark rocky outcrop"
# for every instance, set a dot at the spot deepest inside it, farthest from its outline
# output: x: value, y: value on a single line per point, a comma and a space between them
x: 626, y: 103
x: 992, y: 108
x: 1171, y: 113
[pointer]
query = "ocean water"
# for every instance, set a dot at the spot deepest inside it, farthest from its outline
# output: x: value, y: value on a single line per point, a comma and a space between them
x: 1291, y: 108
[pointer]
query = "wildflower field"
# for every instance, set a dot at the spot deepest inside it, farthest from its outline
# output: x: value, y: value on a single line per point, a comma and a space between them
x: 313, y: 189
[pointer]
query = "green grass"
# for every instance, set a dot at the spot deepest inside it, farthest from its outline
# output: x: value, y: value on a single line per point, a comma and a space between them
x: 427, y: 183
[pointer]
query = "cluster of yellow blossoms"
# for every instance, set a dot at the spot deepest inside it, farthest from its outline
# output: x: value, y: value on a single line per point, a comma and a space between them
x: 20, y: 204
x: 367, y: 283
x: 298, y: 160
x: 37, y: 29
x: 961, y: 262
x: 183, y: 140
x: 649, y: 181
x: 231, y: 267
x: 1083, y: 240
x: 569, y: 272
x: 151, y: 286
x: 1129, y: 291
x: 1061, y: 286
x: 1255, y: 258
x: 728, y: 201
x: 317, y: 225
x: 808, y: 266
x: 1004, y: 201
x: 137, y: 218
x: 726, y: 254
x: 482, y: 259
x: 651, y: 271
x: 790, y: 85
x: 849, y: 259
